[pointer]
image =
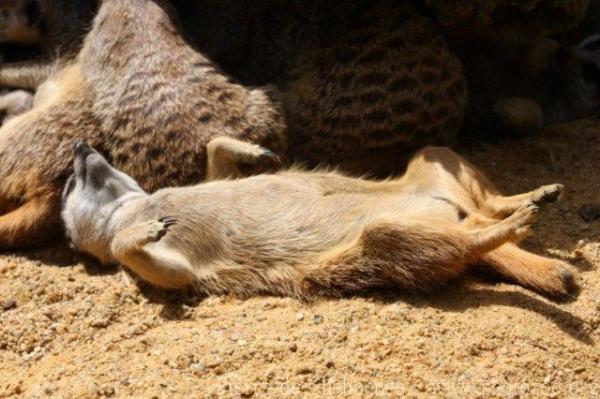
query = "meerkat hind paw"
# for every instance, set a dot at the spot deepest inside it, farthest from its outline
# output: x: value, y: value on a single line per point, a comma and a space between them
x: 548, y: 194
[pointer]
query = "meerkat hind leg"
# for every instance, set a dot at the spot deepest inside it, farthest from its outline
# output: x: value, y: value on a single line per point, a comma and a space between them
x: 227, y: 156
x: 547, y: 276
x: 139, y: 248
x: 410, y: 255
x: 479, y: 187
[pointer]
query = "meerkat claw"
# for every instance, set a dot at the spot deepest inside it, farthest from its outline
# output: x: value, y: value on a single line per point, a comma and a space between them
x: 168, y: 221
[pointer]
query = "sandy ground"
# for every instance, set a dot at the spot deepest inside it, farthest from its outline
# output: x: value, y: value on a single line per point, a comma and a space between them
x: 68, y: 328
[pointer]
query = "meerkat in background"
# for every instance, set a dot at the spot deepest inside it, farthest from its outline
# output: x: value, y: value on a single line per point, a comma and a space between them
x: 152, y: 110
x: 55, y: 28
x: 49, y: 34
x: 358, y: 80
x: 311, y: 233
x: 383, y: 82
x: 566, y: 86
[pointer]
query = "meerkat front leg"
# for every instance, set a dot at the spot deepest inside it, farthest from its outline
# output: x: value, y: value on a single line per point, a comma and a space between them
x: 139, y: 247
x: 228, y: 157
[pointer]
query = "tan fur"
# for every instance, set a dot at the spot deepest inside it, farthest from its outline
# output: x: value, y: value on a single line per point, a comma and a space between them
x: 306, y: 234
x: 383, y: 82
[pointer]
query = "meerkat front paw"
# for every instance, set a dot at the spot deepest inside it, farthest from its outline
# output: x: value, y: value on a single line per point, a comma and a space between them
x: 255, y: 159
x: 547, y: 194
x: 157, y: 229
x: 253, y: 154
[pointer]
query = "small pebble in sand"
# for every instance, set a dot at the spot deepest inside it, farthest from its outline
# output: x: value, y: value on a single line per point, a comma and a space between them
x: 305, y: 370
x: 99, y: 323
x: 9, y: 304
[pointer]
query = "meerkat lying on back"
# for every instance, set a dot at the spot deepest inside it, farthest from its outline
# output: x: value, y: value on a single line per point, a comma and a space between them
x: 306, y: 234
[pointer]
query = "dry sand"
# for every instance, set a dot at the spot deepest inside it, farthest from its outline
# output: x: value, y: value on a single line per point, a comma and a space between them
x: 69, y: 328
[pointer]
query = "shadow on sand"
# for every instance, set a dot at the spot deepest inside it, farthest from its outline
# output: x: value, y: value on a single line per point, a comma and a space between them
x: 457, y: 298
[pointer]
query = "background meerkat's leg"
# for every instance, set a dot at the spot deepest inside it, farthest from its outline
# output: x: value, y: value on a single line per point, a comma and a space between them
x: 15, y: 103
x: 226, y: 157
x: 477, y: 185
x: 544, y: 275
x: 137, y: 247
x: 33, y: 222
x: 26, y: 74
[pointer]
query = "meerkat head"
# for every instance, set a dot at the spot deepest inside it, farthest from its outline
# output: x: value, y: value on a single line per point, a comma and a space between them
x: 580, y: 76
x: 92, y: 194
x: 20, y: 21
x: 571, y: 76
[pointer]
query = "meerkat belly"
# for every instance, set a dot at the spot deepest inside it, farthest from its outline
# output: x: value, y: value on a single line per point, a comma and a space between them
x: 438, y: 205
x: 263, y: 228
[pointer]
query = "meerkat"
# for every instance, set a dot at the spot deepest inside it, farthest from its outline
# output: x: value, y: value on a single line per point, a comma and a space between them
x: 145, y: 98
x: 310, y: 233
x: 558, y: 83
x: 358, y: 81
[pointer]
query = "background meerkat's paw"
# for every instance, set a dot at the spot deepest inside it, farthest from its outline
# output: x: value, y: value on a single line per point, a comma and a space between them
x: 158, y: 228
x: 547, y: 194
x: 228, y: 157
x: 252, y: 154
x: 255, y: 160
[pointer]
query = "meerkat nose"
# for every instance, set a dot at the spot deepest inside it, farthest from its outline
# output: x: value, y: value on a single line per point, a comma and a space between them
x: 81, y: 148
